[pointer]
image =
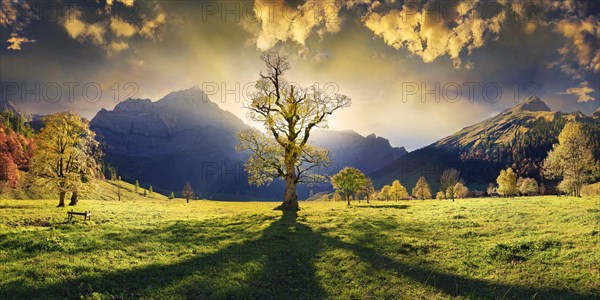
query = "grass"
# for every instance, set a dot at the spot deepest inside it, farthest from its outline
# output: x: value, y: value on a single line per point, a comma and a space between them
x: 523, y: 248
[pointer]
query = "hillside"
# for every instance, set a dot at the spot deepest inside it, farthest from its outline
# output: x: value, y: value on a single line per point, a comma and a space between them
x: 103, y: 190
x: 519, y: 137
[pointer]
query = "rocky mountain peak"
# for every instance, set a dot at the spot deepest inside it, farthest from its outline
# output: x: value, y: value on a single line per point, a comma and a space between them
x: 533, y: 104
x: 133, y: 105
x: 191, y: 99
x: 7, y: 106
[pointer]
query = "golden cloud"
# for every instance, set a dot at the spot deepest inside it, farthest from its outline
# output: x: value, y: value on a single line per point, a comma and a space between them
x: 582, y: 92
x: 112, y: 33
x: 78, y: 29
x: 15, y: 42
x: 577, y: 32
x: 429, y: 33
x: 117, y: 46
x: 152, y: 28
x: 8, y: 13
x: 121, y: 28
x: 279, y: 22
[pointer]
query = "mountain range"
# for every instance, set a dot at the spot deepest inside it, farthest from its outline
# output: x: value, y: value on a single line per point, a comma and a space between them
x: 186, y: 137
x: 519, y: 137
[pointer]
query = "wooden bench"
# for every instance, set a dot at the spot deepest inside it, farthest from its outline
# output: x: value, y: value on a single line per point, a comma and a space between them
x: 86, y: 215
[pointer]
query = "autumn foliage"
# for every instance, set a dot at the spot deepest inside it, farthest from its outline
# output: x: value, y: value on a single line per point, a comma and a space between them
x: 15, y: 154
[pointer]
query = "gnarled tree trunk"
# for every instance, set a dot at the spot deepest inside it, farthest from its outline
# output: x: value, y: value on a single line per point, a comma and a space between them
x: 290, y: 198
x: 75, y: 199
x: 61, y: 202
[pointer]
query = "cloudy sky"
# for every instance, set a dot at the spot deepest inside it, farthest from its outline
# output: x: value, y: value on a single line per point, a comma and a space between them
x: 416, y: 70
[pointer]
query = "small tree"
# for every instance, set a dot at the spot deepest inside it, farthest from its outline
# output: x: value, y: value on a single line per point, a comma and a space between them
x: 460, y: 190
x: 572, y: 159
x: 119, y: 191
x: 440, y: 195
x: 422, y: 190
x: 137, y: 187
x: 448, y: 181
x: 529, y: 187
x: 398, y: 191
x: 188, y: 192
x: 385, y: 193
x: 171, y: 196
x: 113, y: 173
x: 145, y: 193
x: 367, y: 189
x: 507, y: 183
x: 150, y: 191
x: 348, y: 182
x: 491, y: 189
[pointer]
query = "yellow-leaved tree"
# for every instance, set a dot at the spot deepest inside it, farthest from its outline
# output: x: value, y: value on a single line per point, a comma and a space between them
x: 289, y: 114
x: 507, y: 183
x: 385, y: 193
x: 572, y: 159
x: 421, y: 189
x: 66, y: 157
x: 348, y: 182
x: 398, y: 191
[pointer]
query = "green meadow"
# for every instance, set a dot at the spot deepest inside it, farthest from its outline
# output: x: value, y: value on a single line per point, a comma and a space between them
x: 155, y: 248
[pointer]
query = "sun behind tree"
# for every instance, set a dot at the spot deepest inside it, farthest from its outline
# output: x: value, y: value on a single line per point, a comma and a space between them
x: 289, y: 114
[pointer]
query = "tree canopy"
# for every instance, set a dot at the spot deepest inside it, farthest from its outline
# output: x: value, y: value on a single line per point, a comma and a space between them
x: 572, y: 159
x: 421, y: 189
x: 507, y: 183
x: 398, y: 191
x: 66, y: 158
x: 529, y: 187
x: 348, y: 182
x: 448, y: 181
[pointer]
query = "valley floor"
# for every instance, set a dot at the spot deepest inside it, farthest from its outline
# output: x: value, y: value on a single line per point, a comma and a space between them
x: 522, y: 248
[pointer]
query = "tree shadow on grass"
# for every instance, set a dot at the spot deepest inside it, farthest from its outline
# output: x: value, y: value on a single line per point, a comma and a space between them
x: 279, y: 264
x: 393, y: 206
